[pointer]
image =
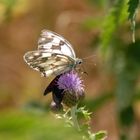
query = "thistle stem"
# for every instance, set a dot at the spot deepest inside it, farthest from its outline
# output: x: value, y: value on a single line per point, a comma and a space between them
x: 74, y: 117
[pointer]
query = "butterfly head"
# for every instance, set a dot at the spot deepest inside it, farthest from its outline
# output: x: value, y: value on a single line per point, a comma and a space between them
x: 79, y: 61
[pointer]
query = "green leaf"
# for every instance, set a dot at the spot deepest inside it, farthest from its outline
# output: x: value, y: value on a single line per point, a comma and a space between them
x: 114, y: 19
x: 101, y: 135
x: 132, y: 10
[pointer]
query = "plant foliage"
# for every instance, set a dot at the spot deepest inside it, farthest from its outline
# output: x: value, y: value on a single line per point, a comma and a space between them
x: 132, y: 10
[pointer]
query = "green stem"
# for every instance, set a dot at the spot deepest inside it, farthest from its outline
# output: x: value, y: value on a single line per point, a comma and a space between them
x: 74, y: 117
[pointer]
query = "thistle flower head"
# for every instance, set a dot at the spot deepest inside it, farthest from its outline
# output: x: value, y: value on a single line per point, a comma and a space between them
x: 70, y: 82
x: 72, y: 86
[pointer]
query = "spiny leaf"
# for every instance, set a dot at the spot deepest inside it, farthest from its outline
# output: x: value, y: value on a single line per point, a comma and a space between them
x: 101, y: 135
x: 133, y: 5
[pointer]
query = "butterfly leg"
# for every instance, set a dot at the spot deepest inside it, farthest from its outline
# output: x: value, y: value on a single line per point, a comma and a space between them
x: 81, y: 70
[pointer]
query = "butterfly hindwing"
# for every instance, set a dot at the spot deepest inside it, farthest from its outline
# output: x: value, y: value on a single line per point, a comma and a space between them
x: 56, y: 92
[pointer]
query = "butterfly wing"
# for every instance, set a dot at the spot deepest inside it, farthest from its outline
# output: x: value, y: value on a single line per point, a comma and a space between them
x: 54, y: 43
x: 56, y: 92
x: 48, y: 63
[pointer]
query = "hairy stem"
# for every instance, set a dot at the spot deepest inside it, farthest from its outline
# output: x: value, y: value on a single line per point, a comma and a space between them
x: 74, y: 117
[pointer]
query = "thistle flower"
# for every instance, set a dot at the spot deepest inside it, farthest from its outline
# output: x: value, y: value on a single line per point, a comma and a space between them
x: 72, y: 86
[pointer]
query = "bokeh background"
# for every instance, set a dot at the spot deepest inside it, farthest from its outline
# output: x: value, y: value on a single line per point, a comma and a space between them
x: 96, y: 28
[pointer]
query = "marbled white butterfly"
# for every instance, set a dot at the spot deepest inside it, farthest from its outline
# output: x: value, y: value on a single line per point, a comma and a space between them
x: 54, y: 55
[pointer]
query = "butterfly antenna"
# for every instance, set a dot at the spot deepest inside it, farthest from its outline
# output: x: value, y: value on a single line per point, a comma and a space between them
x: 92, y: 62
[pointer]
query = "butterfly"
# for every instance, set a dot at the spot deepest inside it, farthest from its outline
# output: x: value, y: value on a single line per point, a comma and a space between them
x: 54, y: 56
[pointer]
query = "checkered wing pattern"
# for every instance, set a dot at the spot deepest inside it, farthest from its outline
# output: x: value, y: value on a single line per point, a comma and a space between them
x: 54, y: 43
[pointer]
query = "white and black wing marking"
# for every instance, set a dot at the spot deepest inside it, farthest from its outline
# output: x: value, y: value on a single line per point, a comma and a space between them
x: 54, y: 43
x: 54, y: 55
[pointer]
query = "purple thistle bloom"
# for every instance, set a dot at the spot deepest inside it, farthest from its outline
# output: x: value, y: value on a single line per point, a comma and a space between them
x: 73, y: 88
x: 70, y: 82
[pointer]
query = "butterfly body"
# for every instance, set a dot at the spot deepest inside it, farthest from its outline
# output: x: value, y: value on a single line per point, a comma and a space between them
x: 54, y: 55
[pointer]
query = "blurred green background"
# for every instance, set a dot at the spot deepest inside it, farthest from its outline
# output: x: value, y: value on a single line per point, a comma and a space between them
x: 94, y: 27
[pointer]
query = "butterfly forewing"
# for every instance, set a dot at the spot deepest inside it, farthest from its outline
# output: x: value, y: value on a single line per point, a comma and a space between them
x: 54, y: 43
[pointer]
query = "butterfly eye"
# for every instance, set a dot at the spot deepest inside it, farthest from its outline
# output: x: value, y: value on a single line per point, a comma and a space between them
x: 79, y: 61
